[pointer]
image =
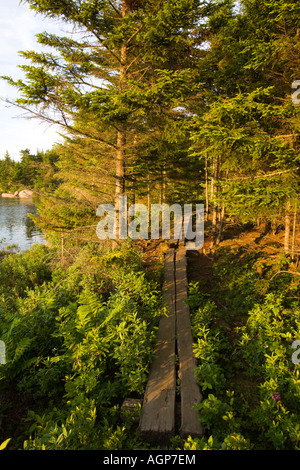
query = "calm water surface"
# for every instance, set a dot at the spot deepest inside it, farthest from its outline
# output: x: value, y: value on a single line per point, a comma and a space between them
x: 15, y: 225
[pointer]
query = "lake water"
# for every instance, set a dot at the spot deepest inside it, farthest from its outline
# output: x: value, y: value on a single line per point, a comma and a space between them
x: 15, y: 225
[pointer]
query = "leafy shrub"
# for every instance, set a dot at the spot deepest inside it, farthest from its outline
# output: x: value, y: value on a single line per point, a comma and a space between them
x: 251, y: 356
x: 78, y: 341
x: 19, y: 272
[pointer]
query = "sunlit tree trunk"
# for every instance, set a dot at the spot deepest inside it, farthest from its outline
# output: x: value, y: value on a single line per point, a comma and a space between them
x: 287, y: 228
x: 294, y: 232
x: 214, y: 192
x: 206, y: 188
x: 121, y: 134
x: 221, y: 224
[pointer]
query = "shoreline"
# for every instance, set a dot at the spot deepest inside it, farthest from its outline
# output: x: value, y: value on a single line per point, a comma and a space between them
x: 23, y: 194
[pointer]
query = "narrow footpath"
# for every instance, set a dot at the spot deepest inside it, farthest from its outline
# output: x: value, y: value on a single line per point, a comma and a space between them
x: 173, y: 365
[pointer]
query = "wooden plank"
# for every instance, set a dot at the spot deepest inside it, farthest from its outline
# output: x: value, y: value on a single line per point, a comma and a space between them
x: 189, y: 388
x: 157, y: 422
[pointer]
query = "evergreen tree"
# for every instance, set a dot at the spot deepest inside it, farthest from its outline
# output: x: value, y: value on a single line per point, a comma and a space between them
x: 124, y: 69
x: 33, y: 171
x: 249, y: 132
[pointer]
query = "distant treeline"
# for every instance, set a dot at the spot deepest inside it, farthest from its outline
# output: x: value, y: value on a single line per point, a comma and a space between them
x: 32, y: 171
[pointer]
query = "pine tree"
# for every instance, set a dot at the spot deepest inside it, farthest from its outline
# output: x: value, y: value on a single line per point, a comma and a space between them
x: 275, y: 54
x: 249, y: 132
x: 124, y: 66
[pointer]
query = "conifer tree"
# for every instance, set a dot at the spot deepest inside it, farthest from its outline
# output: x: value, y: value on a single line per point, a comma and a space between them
x: 125, y: 65
x: 249, y: 132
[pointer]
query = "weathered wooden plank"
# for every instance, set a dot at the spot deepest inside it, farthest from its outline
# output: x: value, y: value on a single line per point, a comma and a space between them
x: 189, y: 388
x: 157, y: 422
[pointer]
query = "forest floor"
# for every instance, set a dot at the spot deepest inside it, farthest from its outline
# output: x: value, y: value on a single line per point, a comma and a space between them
x: 241, y: 240
x: 238, y: 239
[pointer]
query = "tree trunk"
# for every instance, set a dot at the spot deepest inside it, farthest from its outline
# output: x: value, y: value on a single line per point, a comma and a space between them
x: 214, y: 195
x: 162, y: 183
x: 120, y: 176
x: 222, y: 214
x: 287, y: 228
x: 206, y: 188
x: 294, y: 232
x: 121, y: 134
x: 62, y: 247
x: 149, y: 202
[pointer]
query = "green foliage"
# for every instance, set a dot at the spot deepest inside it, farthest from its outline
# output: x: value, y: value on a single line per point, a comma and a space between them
x: 200, y: 93
x: 126, y: 70
x: 32, y: 172
x: 19, y: 273
x: 77, y: 344
x: 243, y: 346
x: 209, y: 347
x: 246, y: 134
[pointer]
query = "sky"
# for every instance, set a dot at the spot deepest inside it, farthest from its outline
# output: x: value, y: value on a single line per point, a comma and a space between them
x: 18, y: 26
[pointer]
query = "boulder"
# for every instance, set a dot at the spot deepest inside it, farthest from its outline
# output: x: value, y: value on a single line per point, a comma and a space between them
x: 7, y: 195
x: 25, y: 194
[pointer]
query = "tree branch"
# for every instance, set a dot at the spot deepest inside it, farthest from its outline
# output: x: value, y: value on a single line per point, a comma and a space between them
x: 270, y: 175
x: 64, y: 125
x: 287, y: 272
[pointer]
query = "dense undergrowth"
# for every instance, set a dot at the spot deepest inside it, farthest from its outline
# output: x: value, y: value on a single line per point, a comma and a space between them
x: 244, y: 333
x: 79, y: 339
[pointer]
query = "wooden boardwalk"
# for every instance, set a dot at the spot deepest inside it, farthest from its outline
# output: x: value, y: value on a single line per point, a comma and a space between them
x: 158, y: 411
x: 189, y: 388
x: 158, y: 418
